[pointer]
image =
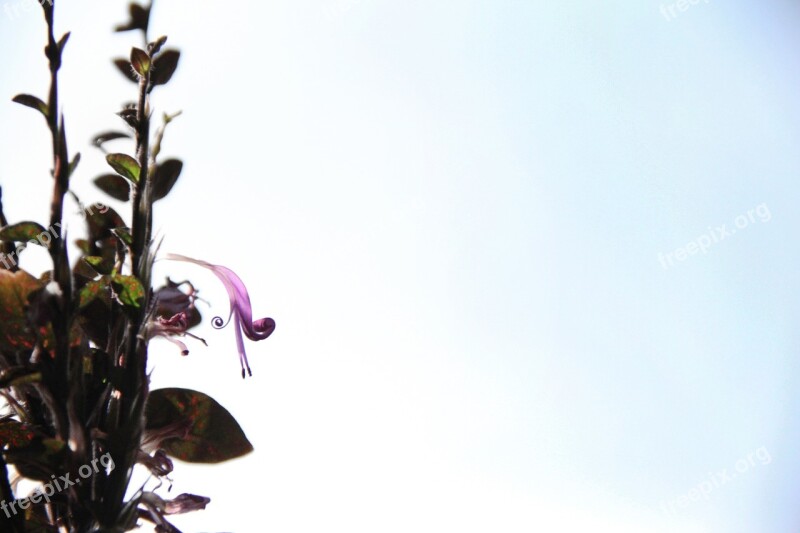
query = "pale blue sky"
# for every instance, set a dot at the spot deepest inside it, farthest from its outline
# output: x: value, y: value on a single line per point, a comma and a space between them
x: 454, y: 212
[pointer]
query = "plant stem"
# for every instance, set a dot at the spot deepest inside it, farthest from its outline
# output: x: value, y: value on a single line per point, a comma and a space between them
x: 135, y: 384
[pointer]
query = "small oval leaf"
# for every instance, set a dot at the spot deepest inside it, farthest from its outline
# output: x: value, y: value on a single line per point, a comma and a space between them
x: 26, y: 231
x: 31, y: 101
x: 167, y: 174
x: 115, y: 186
x: 125, y: 67
x: 140, y: 61
x: 125, y: 166
x: 164, y: 66
x: 129, y: 290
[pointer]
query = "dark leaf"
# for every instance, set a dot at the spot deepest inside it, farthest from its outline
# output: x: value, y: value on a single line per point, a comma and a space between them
x: 139, y: 18
x: 83, y: 273
x: 115, y: 186
x: 25, y: 232
x: 31, y: 101
x: 94, y: 310
x: 39, y: 458
x: 18, y: 375
x: 164, y: 66
x: 129, y: 116
x: 83, y: 245
x: 101, y: 223
x: 63, y: 42
x: 167, y: 174
x: 140, y: 61
x: 214, y: 435
x: 125, y: 67
x: 154, y: 47
x: 125, y: 166
x: 74, y: 164
x: 102, y: 138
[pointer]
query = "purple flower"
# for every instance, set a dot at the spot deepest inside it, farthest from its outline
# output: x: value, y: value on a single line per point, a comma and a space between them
x: 241, y: 310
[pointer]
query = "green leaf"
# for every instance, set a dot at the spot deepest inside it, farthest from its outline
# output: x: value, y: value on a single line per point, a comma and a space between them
x: 140, y: 61
x: 213, y: 434
x: 15, y: 287
x: 164, y: 66
x: 24, y: 232
x: 94, y: 290
x: 167, y: 174
x: 129, y: 290
x: 125, y: 166
x: 124, y: 235
x: 99, y: 264
x: 115, y: 186
x: 31, y: 101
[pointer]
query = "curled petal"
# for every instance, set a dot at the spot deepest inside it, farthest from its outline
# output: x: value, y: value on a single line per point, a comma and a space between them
x: 240, y: 309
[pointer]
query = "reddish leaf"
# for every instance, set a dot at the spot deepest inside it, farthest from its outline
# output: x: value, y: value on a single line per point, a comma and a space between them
x: 14, y: 290
x: 213, y: 436
x: 15, y: 434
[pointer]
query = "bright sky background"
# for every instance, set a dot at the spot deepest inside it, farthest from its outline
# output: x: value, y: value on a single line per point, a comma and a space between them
x: 454, y: 211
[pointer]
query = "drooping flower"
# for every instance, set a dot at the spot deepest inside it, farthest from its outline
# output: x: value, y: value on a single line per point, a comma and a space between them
x: 169, y: 328
x: 241, y: 310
